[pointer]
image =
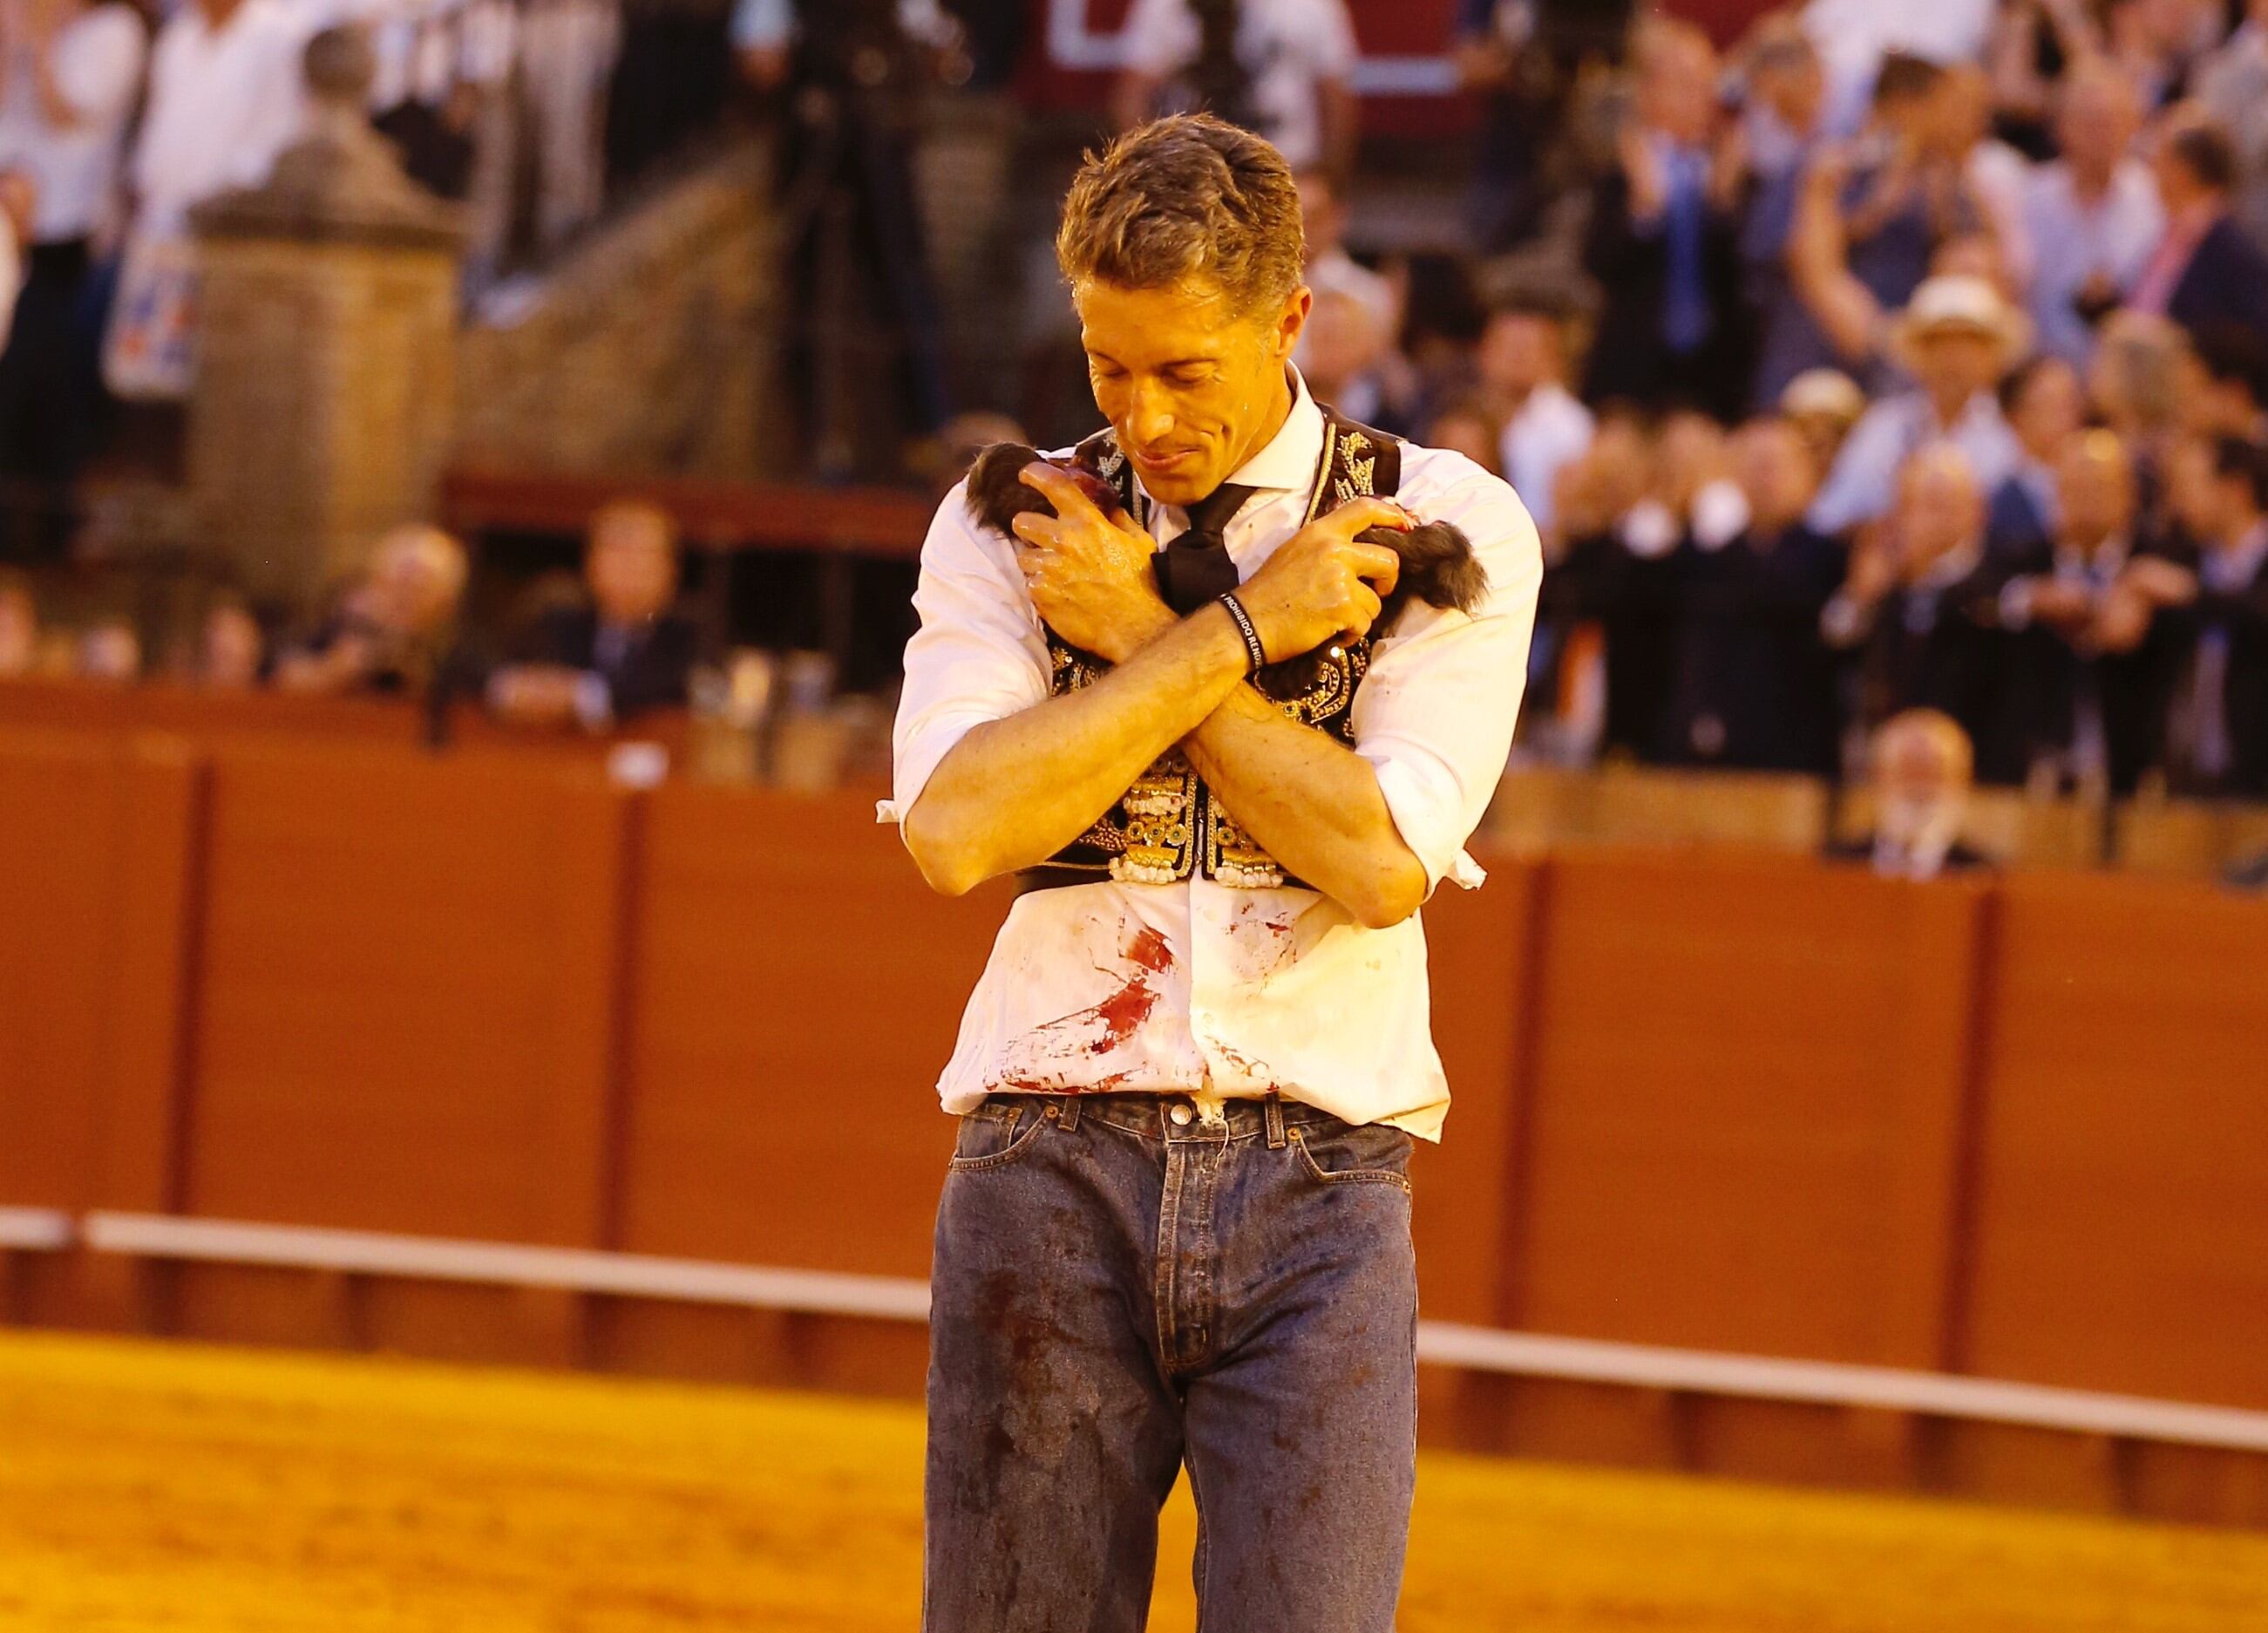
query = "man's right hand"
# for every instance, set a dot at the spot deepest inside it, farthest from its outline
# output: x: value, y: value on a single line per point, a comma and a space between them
x: 1324, y: 584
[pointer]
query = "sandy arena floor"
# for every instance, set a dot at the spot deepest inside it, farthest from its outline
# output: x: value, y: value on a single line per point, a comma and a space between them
x: 146, y: 1486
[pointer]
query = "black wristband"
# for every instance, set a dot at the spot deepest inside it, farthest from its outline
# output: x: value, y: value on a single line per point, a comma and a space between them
x: 1253, y: 650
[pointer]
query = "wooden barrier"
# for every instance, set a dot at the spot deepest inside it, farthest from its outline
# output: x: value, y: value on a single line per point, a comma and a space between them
x: 1713, y: 1102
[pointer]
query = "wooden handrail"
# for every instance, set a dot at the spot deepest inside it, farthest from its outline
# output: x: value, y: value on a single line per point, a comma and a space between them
x: 716, y: 517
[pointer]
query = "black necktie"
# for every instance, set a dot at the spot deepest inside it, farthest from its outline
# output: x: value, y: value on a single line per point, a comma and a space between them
x: 1194, y: 567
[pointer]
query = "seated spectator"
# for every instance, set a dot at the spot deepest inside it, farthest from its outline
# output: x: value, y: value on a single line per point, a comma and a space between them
x: 1957, y: 338
x: 1916, y: 608
x: 20, y: 627
x: 75, y: 76
x: 2045, y: 406
x: 2091, y: 660
x: 232, y: 652
x: 109, y: 649
x: 1920, y: 765
x: 2204, y: 271
x: 1751, y: 684
x: 1822, y: 403
x: 398, y: 630
x: 2092, y: 214
x: 624, y: 652
x: 1282, y: 68
x: 1663, y: 238
x: 1523, y: 369
x: 2218, y: 722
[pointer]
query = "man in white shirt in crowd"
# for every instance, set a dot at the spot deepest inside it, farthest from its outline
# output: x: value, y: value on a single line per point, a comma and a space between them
x: 1283, y: 68
x: 73, y: 72
x: 1523, y: 366
x: 1176, y: 1225
x: 226, y: 96
x: 1957, y: 337
x: 2093, y: 215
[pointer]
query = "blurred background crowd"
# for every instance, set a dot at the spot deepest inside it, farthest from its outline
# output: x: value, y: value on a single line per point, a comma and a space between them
x: 1855, y: 359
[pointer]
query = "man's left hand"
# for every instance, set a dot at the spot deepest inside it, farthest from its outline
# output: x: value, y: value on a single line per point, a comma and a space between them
x: 1089, y: 573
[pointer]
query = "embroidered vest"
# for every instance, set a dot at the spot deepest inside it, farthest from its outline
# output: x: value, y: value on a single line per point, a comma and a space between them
x: 1171, y: 824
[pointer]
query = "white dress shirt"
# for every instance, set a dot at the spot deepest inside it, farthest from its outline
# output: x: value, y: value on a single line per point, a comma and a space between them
x: 1198, y: 987
x: 1288, y: 47
x: 2072, y: 241
x: 1864, y: 477
x: 96, y: 64
x: 1551, y: 429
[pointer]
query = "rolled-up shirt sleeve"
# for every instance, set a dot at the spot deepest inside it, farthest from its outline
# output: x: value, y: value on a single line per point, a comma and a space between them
x: 1434, y: 715
x: 979, y: 656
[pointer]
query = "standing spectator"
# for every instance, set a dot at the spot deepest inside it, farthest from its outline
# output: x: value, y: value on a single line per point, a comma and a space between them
x: 1323, y: 213
x: 1502, y: 58
x: 1752, y: 685
x: 73, y: 72
x: 627, y: 651
x: 1917, y: 606
x: 1467, y: 426
x: 1957, y: 337
x: 2090, y: 668
x: 1824, y: 404
x: 1522, y: 365
x: 1340, y: 354
x: 2046, y: 405
x: 1282, y: 68
x: 1782, y: 128
x: 2233, y: 85
x: 856, y: 75
x: 2217, y: 723
x: 1855, y: 38
x: 1663, y: 238
x: 225, y: 99
x: 2093, y: 215
x: 2204, y: 271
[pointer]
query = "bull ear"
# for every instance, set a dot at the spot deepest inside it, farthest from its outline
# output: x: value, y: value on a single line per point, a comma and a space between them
x: 997, y: 493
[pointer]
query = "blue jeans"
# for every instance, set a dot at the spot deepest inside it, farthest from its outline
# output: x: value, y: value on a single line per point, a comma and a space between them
x: 1120, y: 1290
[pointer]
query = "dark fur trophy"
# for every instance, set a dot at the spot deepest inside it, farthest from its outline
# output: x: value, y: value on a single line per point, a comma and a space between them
x: 1438, y: 565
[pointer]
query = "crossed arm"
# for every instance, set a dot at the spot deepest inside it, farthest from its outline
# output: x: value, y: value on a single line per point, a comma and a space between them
x: 1014, y: 791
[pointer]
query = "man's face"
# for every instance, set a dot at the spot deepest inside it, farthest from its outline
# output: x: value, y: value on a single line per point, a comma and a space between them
x: 1773, y: 464
x: 2194, y: 490
x: 2096, y: 122
x: 1955, y: 361
x: 2049, y: 410
x: 1519, y: 351
x: 1190, y: 385
x: 631, y: 566
x: 1939, y: 511
x: 1677, y: 91
x: 2094, y: 490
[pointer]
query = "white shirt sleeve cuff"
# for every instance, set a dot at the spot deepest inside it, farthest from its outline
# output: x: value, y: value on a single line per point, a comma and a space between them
x: 1430, y: 829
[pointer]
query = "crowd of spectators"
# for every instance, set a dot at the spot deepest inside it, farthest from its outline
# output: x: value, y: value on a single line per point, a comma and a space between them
x: 590, y: 650
x: 1893, y: 358
x: 1885, y: 359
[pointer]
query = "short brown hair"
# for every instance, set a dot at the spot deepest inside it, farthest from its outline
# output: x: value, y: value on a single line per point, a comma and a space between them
x: 1186, y: 196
